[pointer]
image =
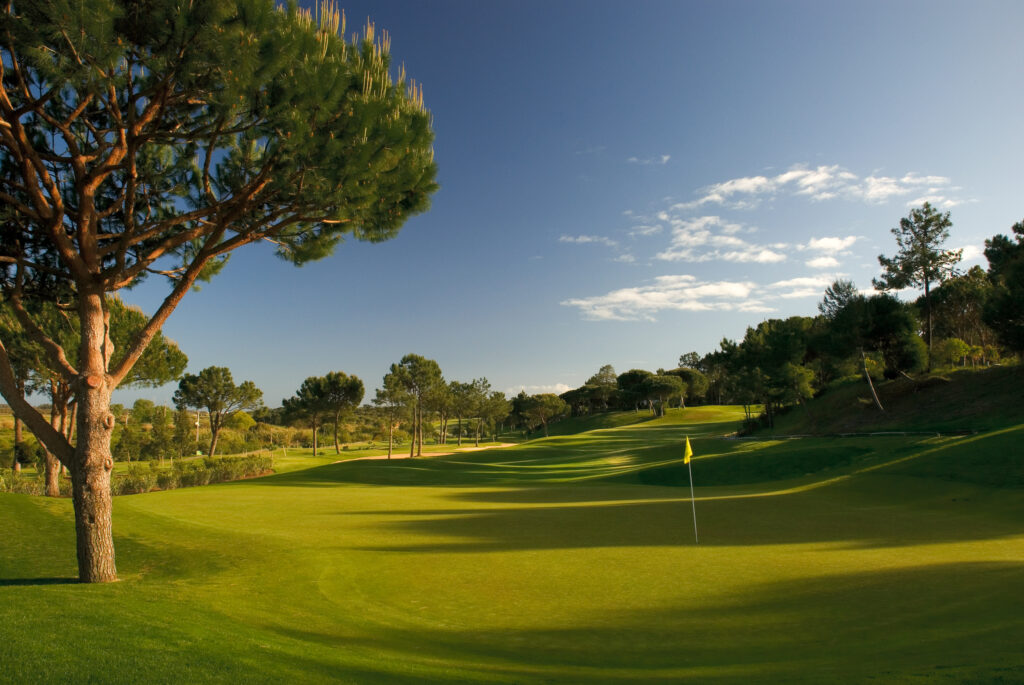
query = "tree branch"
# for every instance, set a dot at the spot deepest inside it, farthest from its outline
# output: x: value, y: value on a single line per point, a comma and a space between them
x: 51, y: 438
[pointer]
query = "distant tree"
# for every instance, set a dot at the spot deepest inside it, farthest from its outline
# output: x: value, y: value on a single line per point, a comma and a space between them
x: 462, y: 403
x: 690, y: 360
x: 950, y: 351
x: 543, y: 408
x: 392, y: 402
x: 308, y: 406
x: 696, y: 383
x: 662, y: 387
x: 920, y: 260
x: 214, y: 390
x: 341, y: 394
x: 958, y: 307
x: 440, y: 401
x: 1004, y: 312
x: 156, y: 137
x: 161, y: 434
x: 602, y: 385
x: 579, y: 399
x: 418, y: 377
x: 479, y: 396
x: 183, y: 440
x: 631, y: 387
x: 837, y: 296
x: 494, y: 410
x: 879, y: 324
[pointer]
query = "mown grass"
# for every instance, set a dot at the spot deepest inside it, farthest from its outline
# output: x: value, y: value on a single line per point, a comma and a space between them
x: 563, y: 560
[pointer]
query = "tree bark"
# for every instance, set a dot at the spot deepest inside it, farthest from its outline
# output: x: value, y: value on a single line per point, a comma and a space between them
x: 871, y: 385
x: 91, y: 461
x: 337, y: 446
x: 928, y: 317
x: 215, y: 424
x: 51, y: 465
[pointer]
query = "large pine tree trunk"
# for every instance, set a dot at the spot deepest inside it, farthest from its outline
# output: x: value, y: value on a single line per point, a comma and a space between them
x: 92, y: 462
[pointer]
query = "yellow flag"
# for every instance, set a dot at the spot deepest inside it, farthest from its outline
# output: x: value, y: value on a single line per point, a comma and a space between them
x: 688, y: 452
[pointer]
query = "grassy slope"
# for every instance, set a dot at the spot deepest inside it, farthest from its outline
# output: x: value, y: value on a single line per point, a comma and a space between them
x: 547, y: 562
x: 958, y: 400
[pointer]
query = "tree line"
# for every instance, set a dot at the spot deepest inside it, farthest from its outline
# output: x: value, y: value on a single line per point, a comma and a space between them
x: 971, y: 318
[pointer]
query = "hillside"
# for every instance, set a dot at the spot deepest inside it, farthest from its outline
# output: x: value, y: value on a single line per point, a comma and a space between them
x: 965, y: 400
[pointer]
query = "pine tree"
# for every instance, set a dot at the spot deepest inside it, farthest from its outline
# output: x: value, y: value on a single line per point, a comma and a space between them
x: 141, y: 138
x: 920, y: 261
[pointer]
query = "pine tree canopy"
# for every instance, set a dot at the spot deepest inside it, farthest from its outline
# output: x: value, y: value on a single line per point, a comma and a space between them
x: 155, y: 137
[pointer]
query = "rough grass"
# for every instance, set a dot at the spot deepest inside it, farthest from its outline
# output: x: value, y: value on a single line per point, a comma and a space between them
x: 893, y: 561
x: 961, y: 400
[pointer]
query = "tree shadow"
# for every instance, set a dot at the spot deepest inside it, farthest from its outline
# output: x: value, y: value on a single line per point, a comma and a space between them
x: 27, y: 582
x: 954, y: 622
x: 575, y: 518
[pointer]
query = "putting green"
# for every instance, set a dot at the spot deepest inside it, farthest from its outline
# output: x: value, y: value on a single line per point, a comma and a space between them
x: 547, y: 562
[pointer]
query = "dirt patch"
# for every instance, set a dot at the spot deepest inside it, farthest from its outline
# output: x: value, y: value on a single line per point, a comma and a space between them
x: 426, y: 455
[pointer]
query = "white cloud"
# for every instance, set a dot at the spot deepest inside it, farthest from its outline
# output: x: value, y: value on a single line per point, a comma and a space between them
x: 659, y: 160
x: 646, y: 230
x: 625, y: 258
x: 819, y: 184
x: 719, y: 242
x: 830, y: 245
x: 822, y: 263
x: 586, y: 239
x: 938, y: 201
x: 556, y: 388
x: 668, y: 293
x: 803, y: 286
x: 971, y: 253
x: 758, y: 255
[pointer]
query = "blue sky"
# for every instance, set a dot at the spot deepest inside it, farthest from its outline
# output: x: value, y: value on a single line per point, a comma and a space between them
x: 622, y: 183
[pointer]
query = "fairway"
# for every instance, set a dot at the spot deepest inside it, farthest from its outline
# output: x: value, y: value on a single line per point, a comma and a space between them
x: 564, y: 560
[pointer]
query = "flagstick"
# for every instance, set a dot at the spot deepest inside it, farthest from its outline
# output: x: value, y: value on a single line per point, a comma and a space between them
x: 693, y: 503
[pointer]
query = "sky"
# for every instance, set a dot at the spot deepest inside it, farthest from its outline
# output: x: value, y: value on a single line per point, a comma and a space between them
x: 625, y: 182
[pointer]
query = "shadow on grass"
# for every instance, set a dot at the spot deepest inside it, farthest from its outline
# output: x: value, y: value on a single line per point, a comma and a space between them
x: 27, y: 582
x: 953, y: 622
x: 871, y: 512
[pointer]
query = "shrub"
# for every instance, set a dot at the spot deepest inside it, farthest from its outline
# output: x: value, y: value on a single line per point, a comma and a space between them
x: 168, y: 480
x: 24, y: 485
x: 140, y: 479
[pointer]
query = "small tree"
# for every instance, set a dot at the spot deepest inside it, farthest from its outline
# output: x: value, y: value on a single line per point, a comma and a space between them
x: 391, y: 400
x: 495, y: 409
x: 214, y: 390
x: 602, y: 385
x: 417, y: 377
x: 663, y: 387
x: 837, y: 296
x: 950, y: 351
x: 920, y: 260
x: 341, y: 394
x: 631, y: 387
x: 543, y: 408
